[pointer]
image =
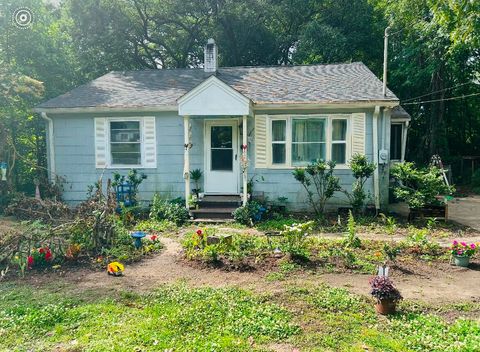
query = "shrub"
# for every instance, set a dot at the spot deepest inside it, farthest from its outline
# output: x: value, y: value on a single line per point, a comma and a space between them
x: 382, y: 288
x: 134, y: 179
x: 419, y: 187
x: 250, y: 213
x: 295, y: 239
x: 319, y: 177
x: 391, y: 251
x: 170, y: 210
x: 362, y: 170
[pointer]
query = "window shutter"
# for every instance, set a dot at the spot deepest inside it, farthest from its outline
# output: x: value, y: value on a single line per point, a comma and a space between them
x: 100, y: 142
x: 150, y: 142
x: 261, y: 141
x: 358, y: 133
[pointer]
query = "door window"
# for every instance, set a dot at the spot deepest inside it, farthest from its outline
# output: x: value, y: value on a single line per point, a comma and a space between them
x: 221, y: 148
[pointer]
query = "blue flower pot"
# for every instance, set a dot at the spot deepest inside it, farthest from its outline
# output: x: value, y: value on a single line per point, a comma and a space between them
x: 462, y: 261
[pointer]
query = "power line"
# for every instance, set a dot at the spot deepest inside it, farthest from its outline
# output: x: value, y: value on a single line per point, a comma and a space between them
x: 438, y: 91
x: 446, y: 99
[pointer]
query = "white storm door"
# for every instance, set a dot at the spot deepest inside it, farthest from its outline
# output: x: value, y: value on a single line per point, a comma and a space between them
x: 221, y: 157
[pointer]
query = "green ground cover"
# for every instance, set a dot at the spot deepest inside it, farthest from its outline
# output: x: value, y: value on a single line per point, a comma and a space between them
x: 181, y: 318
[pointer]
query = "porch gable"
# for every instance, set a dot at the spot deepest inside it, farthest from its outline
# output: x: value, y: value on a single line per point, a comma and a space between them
x: 213, y: 98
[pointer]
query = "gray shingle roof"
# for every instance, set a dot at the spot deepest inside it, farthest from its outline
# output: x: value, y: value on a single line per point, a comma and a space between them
x: 333, y: 83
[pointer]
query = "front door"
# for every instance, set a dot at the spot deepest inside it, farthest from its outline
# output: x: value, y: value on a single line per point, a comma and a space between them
x: 221, y: 165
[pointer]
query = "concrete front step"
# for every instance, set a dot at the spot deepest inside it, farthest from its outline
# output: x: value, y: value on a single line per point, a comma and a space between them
x: 210, y: 221
x: 220, y: 201
x: 213, y: 213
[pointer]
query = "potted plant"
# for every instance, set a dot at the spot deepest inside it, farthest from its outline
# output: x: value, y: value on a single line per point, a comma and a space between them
x: 424, y: 190
x: 196, y: 175
x: 461, y: 253
x: 386, y: 294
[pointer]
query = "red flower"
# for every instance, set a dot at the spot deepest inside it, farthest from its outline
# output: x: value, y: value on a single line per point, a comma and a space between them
x: 153, y: 237
x: 41, y: 250
x: 48, y: 255
x: 29, y: 262
x: 199, y: 232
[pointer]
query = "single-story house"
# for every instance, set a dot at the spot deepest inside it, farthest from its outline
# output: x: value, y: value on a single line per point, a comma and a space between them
x: 236, y: 124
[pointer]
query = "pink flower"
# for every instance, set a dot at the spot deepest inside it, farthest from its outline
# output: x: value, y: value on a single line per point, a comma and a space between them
x: 455, y: 243
x: 472, y: 246
x: 459, y: 252
x: 463, y: 244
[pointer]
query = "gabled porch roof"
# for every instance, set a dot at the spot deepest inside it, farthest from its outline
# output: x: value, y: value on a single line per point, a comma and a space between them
x: 214, y: 97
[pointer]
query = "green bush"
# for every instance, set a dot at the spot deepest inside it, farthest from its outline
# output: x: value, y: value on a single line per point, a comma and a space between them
x: 419, y: 187
x: 318, y: 181
x: 362, y: 170
x: 171, y: 210
x: 248, y: 214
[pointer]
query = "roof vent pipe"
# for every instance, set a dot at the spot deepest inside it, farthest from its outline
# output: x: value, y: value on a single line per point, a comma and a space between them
x: 211, y: 53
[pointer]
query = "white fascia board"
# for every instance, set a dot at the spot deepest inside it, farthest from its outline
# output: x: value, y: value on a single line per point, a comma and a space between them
x: 95, y: 109
x: 313, y: 105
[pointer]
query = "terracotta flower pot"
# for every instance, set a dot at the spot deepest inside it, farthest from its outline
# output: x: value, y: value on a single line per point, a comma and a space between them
x: 385, y: 306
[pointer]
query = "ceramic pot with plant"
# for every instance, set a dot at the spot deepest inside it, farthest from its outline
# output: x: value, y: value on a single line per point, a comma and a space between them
x: 386, y: 294
x: 196, y: 175
x: 462, y: 252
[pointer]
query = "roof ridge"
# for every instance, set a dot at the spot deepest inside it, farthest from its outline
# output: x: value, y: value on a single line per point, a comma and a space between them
x: 240, y: 66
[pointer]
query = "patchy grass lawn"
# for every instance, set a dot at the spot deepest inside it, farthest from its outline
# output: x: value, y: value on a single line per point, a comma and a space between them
x: 172, y: 317
x: 181, y: 318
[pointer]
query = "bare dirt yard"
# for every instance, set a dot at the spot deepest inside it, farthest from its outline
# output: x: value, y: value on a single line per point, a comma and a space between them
x: 432, y: 283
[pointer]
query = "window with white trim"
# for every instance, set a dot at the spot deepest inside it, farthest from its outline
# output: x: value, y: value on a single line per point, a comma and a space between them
x: 339, y: 141
x: 125, y: 143
x: 299, y: 140
x: 396, y: 140
x: 279, y: 142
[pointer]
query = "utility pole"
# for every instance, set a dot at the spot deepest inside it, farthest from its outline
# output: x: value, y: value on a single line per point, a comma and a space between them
x: 385, y: 60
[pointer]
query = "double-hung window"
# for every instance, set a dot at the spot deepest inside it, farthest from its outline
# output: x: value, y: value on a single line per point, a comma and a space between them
x: 125, y: 143
x: 339, y: 140
x: 279, y: 142
x: 300, y: 140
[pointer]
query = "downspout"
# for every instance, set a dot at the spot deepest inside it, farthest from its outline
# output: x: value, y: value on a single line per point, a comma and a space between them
x: 376, y: 185
x: 51, y: 147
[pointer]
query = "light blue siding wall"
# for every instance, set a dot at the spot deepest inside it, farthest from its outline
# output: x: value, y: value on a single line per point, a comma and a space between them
x: 75, y: 159
x: 75, y: 156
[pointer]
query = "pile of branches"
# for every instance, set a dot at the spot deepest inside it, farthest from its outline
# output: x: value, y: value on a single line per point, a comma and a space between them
x: 97, y: 215
x: 47, y: 211
x: 31, y: 236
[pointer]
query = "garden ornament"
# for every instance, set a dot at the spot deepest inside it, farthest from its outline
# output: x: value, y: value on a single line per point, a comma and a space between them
x: 138, y: 235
